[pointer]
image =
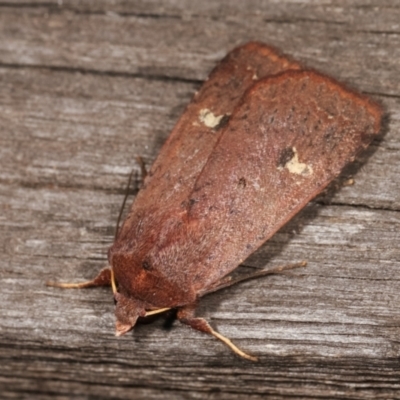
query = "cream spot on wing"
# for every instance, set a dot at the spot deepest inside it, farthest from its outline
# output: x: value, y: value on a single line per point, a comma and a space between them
x: 256, y: 186
x: 209, y: 119
x: 296, y: 167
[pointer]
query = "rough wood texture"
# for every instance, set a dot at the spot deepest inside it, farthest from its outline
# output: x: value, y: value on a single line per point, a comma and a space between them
x: 88, y: 85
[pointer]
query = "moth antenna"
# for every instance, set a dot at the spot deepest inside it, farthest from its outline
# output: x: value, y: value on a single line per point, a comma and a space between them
x: 123, y: 205
x: 143, y: 172
x: 142, y: 165
x: 153, y: 312
x: 113, y: 284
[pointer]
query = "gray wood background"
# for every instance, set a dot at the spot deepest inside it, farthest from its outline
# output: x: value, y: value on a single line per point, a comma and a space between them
x: 85, y: 86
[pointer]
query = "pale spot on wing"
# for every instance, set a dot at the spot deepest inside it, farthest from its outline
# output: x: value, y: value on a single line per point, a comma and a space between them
x: 296, y: 167
x: 209, y: 119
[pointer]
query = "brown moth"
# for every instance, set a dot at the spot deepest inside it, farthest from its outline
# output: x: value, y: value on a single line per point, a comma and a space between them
x: 259, y: 140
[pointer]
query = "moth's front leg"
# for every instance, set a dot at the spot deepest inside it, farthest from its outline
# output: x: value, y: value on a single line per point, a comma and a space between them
x: 186, y: 315
x: 104, y: 278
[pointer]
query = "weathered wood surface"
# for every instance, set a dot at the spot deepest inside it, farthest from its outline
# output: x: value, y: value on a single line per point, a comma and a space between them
x: 85, y: 86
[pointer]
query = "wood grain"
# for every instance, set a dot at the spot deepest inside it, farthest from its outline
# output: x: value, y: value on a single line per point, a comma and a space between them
x: 85, y: 86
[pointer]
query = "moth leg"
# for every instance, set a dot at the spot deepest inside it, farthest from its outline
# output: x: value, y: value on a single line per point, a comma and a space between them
x: 186, y: 316
x: 228, y: 281
x: 104, y: 278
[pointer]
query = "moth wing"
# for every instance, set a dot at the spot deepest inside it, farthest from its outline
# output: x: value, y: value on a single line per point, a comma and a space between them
x: 288, y: 138
x: 186, y: 150
x: 163, y: 198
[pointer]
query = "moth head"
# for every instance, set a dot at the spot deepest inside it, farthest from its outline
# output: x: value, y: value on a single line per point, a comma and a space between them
x: 127, y: 311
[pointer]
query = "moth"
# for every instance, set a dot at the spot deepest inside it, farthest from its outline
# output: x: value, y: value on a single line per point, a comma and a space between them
x: 259, y: 140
